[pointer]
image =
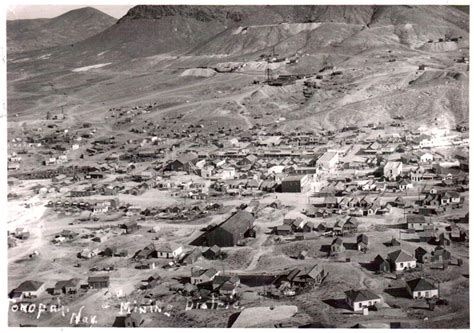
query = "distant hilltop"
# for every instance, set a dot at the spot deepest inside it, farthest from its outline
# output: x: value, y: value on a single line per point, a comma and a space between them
x: 73, y: 26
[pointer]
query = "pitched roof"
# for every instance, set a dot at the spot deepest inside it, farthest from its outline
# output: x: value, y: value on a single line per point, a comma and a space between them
x: 238, y: 223
x: 210, y: 272
x: 29, y: 286
x: 420, y: 284
x: 400, y: 256
x: 362, y: 238
x: 420, y: 251
x: 66, y: 283
x: 167, y: 247
x: 379, y: 260
x: 392, y: 165
x: 313, y: 271
x: 361, y: 295
x: 327, y: 156
x: 349, y: 220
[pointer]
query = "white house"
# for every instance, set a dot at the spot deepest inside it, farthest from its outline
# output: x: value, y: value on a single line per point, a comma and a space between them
x: 50, y: 161
x: 207, y: 171
x: 405, y: 184
x: 228, y: 173
x: 360, y: 299
x: 401, y: 261
x: 62, y: 159
x: 426, y: 157
x: 417, y: 222
x: 392, y: 170
x: 168, y: 251
x: 328, y: 160
x: 420, y: 288
x: 203, y: 275
x: 28, y: 289
x: 416, y: 175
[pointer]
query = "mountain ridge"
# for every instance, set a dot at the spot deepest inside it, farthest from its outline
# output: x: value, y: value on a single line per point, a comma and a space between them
x: 34, y: 34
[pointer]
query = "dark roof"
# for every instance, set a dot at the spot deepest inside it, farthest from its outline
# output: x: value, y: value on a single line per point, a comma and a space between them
x: 187, y: 158
x: 394, y: 242
x: 210, y: 272
x: 66, y: 283
x: 228, y: 286
x: 412, y: 218
x: 112, y: 248
x: 167, y: 247
x: 440, y: 251
x: 349, y: 220
x: 104, y: 278
x: 379, y: 260
x: 400, y: 256
x: 420, y: 284
x: 363, y: 238
x: 207, y: 272
x: 129, y: 224
x: 361, y: 295
x: 238, y: 223
x: 420, y: 251
x: 221, y: 279
x: 29, y: 286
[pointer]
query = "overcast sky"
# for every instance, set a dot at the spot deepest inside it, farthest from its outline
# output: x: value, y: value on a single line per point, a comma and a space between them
x: 46, y: 11
x: 119, y: 8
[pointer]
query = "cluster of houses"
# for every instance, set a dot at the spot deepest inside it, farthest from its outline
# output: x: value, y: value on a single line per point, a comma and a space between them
x: 365, y: 299
x: 224, y: 163
x: 32, y: 289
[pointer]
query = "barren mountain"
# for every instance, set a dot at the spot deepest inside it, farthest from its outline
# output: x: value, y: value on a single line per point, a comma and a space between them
x: 390, y: 60
x: 73, y: 26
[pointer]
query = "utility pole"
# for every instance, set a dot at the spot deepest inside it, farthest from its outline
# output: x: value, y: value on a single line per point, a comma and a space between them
x: 268, y: 73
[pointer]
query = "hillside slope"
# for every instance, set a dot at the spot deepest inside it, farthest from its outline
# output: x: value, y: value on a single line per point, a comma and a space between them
x: 388, y: 61
x: 73, y: 26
